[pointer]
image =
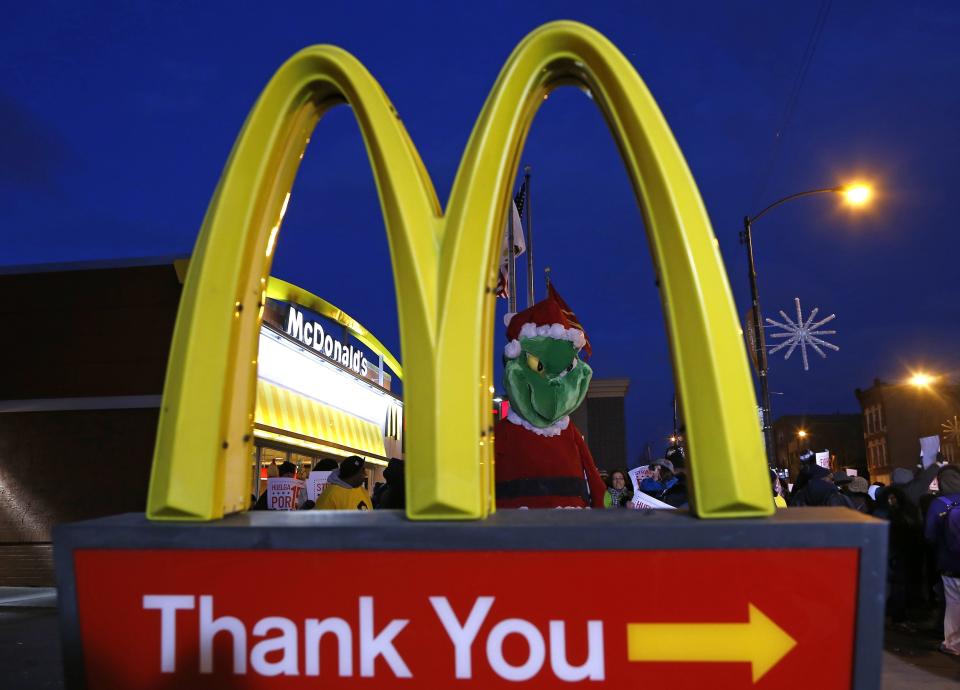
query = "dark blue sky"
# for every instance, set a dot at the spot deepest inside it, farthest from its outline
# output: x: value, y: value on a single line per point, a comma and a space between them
x: 116, y: 120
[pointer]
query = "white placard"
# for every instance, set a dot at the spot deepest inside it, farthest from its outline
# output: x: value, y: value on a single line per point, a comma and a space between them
x: 851, y: 472
x: 823, y: 459
x: 929, y: 447
x: 283, y: 493
x: 642, y: 501
x: 638, y: 474
x: 315, y: 483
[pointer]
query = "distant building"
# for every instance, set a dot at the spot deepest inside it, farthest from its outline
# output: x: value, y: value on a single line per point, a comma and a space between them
x: 841, y: 434
x: 602, y: 421
x: 897, y: 415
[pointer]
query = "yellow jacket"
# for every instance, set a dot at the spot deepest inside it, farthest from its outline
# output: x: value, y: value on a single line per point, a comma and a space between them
x: 335, y: 497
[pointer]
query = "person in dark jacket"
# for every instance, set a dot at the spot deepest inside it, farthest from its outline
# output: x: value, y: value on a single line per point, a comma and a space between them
x: 819, y: 490
x: 665, y: 484
x: 807, y: 463
x: 393, y: 494
x: 904, y: 550
x: 948, y: 560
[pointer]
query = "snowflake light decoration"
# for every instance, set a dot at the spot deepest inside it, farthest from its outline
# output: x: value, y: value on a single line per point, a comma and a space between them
x: 803, y: 332
x: 951, y: 429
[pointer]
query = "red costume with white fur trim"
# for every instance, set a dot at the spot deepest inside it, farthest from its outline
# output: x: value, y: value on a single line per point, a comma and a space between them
x: 539, y: 471
x: 544, y: 467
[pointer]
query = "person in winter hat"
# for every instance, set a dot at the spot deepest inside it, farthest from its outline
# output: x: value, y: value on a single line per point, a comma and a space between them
x: 820, y: 491
x: 344, y: 489
x: 857, y: 493
x: 808, y: 461
x: 666, y: 484
x: 542, y: 460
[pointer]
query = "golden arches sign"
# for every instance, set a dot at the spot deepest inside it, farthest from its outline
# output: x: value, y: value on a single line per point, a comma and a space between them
x: 445, y: 267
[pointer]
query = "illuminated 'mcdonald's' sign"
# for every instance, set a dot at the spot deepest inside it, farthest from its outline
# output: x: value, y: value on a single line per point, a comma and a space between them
x: 311, y: 334
x: 445, y: 263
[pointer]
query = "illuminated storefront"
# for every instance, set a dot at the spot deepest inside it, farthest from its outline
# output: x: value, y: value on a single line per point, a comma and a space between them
x: 323, y: 388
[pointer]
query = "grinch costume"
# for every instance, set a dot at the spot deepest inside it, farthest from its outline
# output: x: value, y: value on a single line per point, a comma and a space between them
x: 542, y: 460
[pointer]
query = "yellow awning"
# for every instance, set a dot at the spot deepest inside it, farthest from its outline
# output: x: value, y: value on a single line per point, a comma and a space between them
x: 299, y: 420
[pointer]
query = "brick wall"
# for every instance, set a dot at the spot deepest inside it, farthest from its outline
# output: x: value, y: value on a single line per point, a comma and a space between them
x: 65, y: 466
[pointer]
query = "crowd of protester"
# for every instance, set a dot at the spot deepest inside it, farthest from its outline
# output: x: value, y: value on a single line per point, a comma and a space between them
x: 344, y: 486
x: 922, y: 507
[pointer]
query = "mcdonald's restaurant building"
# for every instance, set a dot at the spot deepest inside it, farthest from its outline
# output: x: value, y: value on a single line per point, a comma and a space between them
x: 84, y: 360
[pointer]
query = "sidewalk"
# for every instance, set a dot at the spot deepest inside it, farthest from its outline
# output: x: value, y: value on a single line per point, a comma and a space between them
x: 29, y: 639
x: 30, y: 649
x: 912, y: 660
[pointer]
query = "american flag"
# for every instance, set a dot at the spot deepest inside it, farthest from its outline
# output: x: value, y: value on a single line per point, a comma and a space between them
x: 521, y: 197
x: 503, y: 279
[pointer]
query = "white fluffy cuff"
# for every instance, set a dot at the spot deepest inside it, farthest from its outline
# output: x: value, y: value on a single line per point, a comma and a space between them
x: 554, y: 330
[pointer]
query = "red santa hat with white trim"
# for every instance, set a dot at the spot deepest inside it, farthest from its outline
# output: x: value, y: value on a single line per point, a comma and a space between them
x: 550, y: 317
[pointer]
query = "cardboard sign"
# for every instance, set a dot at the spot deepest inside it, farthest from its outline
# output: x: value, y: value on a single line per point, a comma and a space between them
x: 642, y: 501
x: 638, y: 474
x: 466, y: 619
x: 851, y: 472
x: 283, y: 493
x: 823, y: 459
x: 315, y: 483
x: 929, y: 448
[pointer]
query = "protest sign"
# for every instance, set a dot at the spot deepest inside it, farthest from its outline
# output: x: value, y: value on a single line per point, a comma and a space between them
x: 929, y: 448
x: 642, y: 501
x: 283, y: 493
x: 315, y: 483
x: 638, y: 474
x: 823, y: 459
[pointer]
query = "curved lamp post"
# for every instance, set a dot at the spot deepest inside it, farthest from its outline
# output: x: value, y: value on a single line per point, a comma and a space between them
x: 856, y: 195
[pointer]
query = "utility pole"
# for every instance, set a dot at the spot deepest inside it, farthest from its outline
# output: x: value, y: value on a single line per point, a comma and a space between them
x: 529, y: 228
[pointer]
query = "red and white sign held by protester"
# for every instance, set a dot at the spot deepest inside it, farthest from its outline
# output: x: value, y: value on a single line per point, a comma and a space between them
x: 283, y: 493
x: 638, y: 474
x: 642, y: 501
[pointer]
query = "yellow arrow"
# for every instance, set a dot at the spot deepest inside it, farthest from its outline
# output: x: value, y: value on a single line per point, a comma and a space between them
x: 760, y: 642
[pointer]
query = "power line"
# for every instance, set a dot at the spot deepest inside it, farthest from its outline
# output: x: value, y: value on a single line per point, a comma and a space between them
x: 811, y: 48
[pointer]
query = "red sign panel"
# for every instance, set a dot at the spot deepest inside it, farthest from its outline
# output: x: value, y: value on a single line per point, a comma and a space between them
x: 471, y: 619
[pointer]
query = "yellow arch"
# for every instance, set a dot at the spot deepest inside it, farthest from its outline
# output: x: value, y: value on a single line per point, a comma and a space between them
x: 444, y: 271
x: 288, y: 292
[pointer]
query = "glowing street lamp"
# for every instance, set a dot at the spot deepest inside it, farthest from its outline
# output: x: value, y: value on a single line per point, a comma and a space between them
x: 802, y: 434
x: 921, y: 380
x: 856, y: 195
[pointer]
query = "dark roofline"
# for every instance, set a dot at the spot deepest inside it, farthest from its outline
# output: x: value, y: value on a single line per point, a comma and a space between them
x: 819, y: 416
x: 93, y: 265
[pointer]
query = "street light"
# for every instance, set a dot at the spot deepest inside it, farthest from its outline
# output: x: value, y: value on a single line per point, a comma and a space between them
x: 921, y: 380
x: 856, y: 195
x: 801, y: 434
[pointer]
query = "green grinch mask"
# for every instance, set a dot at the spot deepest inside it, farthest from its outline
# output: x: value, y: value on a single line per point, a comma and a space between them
x: 547, y: 381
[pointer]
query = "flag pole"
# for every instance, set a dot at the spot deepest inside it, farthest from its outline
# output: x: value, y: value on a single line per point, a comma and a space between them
x: 512, y: 265
x: 529, y: 229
